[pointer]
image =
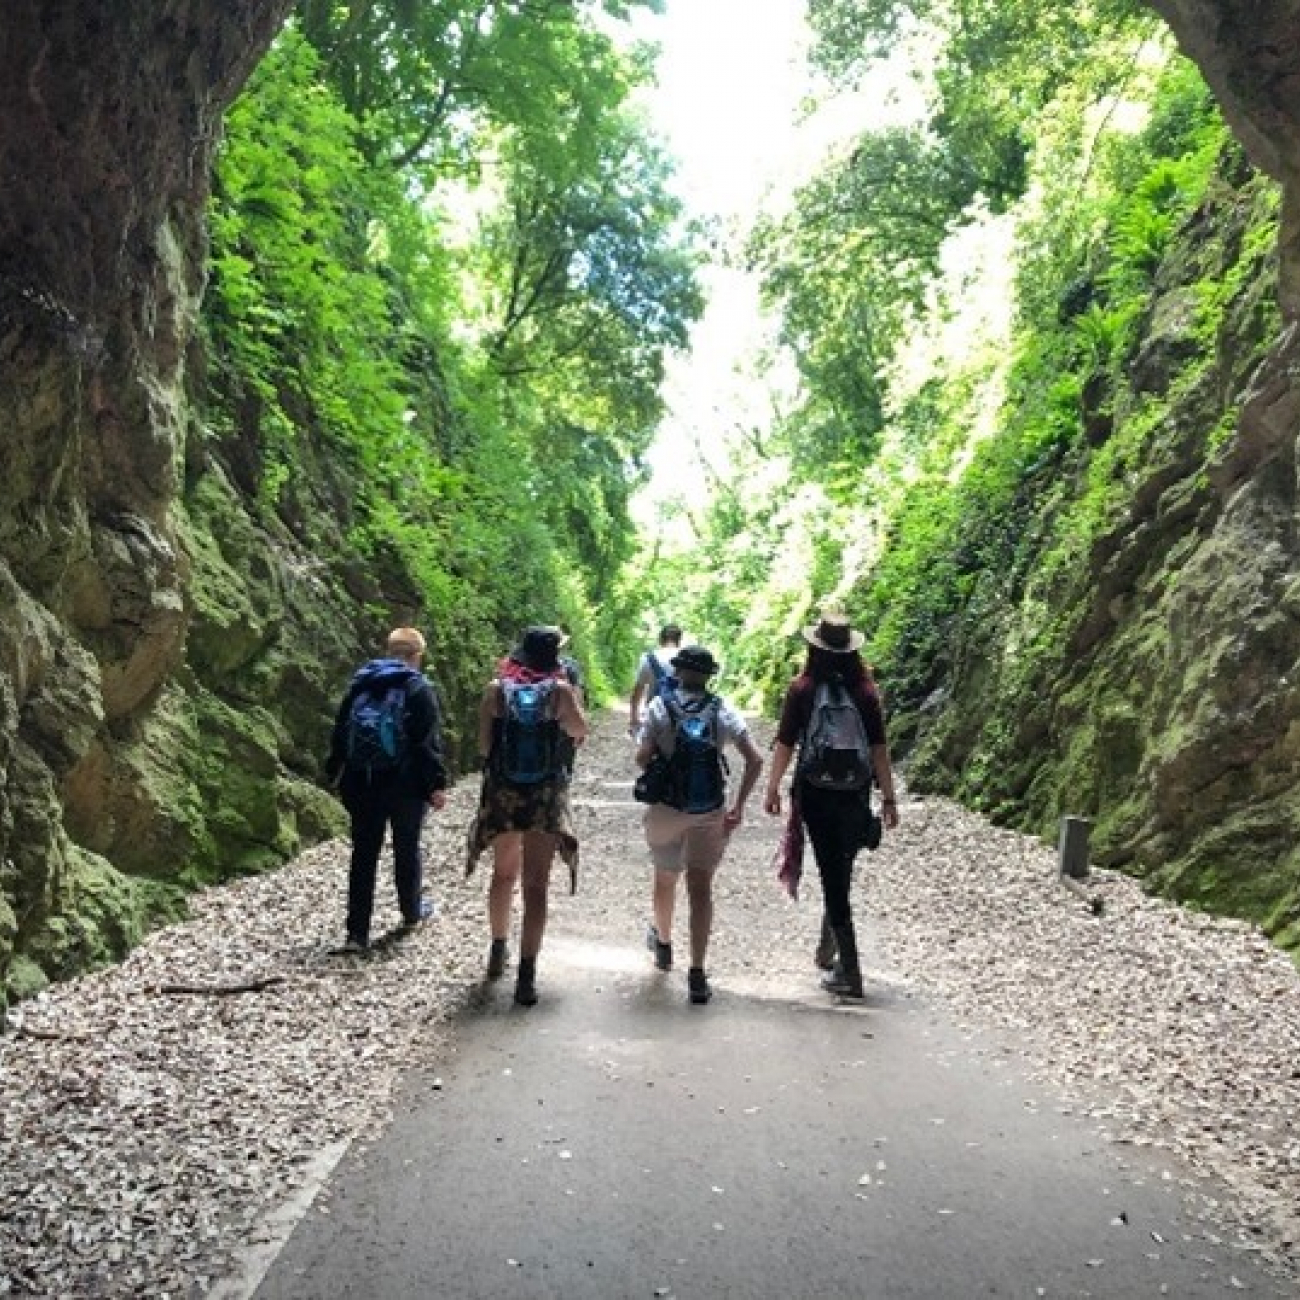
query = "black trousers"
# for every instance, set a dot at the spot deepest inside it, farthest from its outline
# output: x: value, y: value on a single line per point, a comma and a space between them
x: 836, y: 822
x: 373, y: 812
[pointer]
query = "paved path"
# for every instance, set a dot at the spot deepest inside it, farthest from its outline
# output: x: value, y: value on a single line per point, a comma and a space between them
x: 615, y: 1141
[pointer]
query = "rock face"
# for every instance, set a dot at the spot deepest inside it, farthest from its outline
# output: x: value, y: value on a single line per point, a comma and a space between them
x: 108, y: 115
x: 1172, y: 716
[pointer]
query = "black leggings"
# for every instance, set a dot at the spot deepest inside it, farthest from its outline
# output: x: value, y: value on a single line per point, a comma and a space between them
x: 836, y: 821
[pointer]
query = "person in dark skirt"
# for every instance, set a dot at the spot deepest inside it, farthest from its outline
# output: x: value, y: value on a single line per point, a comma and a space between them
x: 838, y: 821
x: 526, y: 822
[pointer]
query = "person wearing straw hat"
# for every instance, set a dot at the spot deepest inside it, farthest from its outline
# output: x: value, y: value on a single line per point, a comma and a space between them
x: 834, y: 689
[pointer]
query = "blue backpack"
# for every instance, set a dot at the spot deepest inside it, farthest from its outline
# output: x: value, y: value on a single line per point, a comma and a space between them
x: 697, y: 780
x: 665, y: 683
x: 376, y: 729
x: 529, y: 749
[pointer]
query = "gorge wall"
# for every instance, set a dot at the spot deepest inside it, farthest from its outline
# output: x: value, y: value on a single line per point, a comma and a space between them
x: 108, y: 118
x: 1169, y: 711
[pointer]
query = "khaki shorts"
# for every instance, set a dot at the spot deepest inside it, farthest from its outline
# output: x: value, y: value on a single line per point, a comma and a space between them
x: 684, y: 841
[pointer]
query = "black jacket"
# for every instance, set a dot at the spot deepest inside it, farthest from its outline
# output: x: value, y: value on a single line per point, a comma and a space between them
x: 422, y: 770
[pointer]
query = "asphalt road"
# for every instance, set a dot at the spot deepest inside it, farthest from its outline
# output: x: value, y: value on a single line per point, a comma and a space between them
x: 616, y: 1142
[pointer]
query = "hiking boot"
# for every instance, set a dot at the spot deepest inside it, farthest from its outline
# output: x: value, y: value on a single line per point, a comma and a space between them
x: 427, y: 911
x: 498, y: 955
x: 824, y: 956
x: 697, y: 982
x: 663, y: 951
x: 837, y: 982
x: 526, y: 982
x: 847, y: 972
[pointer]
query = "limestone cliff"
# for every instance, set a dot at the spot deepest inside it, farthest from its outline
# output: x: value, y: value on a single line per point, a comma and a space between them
x: 108, y: 114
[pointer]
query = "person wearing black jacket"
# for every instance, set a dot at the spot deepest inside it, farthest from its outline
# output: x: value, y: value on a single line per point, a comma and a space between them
x: 394, y: 793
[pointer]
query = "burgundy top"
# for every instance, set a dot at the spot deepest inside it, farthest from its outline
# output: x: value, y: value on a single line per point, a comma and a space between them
x: 797, y: 710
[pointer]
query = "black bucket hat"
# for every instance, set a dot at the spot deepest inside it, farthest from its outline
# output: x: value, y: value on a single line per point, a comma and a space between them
x: 539, y: 648
x: 695, y: 659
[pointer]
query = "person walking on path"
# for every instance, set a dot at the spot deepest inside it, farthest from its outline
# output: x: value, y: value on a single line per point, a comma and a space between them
x: 386, y: 761
x: 687, y: 833
x: 525, y: 814
x: 654, y: 675
x: 832, y: 716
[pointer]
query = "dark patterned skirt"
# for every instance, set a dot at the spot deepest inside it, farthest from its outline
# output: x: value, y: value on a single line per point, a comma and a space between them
x: 503, y: 808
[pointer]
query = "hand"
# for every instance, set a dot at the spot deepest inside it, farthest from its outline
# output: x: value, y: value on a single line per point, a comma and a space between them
x: 889, y: 814
x: 772, y: 803
x: 732, y: 818
x: 438, y: 800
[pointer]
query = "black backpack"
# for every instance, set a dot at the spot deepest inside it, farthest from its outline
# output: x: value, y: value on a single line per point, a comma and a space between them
x: 835, y: 753
x: 697, y: 780
x: 529, y: 751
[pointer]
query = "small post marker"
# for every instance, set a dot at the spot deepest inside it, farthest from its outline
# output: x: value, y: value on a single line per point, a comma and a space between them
x: 1073, y: 860
x: 1074, y: 847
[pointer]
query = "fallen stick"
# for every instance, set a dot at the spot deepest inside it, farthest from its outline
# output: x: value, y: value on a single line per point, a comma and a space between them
x: 222, y: 990
x: 49, y: 1035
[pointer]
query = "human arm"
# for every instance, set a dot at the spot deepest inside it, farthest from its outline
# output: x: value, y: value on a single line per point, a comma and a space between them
x: 748, y: 780
x: 424, y: 727
x: 337, y: 758
x: 489, y: 709
x: 639, y: 690
x: 782, y: 755
x: 648, y: 744
x: 569, y: 714
x: 884, y: 774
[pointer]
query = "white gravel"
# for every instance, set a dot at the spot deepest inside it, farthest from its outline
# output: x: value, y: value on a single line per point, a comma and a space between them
x: 148, y: 1135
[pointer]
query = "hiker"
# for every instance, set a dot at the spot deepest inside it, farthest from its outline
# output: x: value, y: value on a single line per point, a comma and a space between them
x: 654, y: 675
x: 527, y: 711
x: 688, y: 826
x: 832, y: 716
x: 386, y: 761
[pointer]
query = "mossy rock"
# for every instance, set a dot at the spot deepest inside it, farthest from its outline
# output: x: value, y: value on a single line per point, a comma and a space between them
x: 24, y: 979
x: 102, y: 915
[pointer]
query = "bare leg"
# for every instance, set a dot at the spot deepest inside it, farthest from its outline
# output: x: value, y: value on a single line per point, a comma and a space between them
x: 538, y: 854
x: 699, y: 891
x: 508, y: 858
x: 664, y: 898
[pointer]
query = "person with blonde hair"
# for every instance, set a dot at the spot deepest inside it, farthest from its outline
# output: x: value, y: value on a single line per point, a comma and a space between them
x: 386, y: 761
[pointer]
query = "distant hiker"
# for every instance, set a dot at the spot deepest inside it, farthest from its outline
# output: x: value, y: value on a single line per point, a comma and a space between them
x: 527, y: 713
x: 832, y: 716
x: 688, y: 823
x: 574, y: 675
x: 654, y: 675
x: 386, y: 760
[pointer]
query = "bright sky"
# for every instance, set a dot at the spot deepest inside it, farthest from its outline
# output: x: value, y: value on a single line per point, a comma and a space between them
x: 732, y: 84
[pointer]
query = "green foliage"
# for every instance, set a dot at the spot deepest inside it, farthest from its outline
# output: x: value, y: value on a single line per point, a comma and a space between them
x: 959, y: 514
x: 464, y: 463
